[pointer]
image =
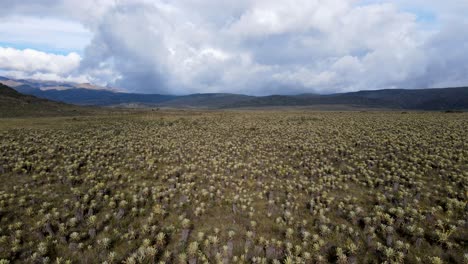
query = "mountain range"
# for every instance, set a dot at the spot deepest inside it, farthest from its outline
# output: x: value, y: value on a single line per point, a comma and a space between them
x: 87, y: 94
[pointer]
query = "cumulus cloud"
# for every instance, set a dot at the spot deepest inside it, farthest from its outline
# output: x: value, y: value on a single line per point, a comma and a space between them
x: 29, y: 60
x: 33, y: 64
x: 260, y: 46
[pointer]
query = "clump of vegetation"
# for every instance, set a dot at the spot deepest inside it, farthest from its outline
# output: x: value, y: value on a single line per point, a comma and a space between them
x: 236, y: 187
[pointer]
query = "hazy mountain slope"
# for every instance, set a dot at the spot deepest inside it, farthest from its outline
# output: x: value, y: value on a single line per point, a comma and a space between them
x: 83, y: 96
x: 300, y: 100
x: 423, y: 99
x: 15, y: 104
x: 51, y: 85
x: 213, y: 100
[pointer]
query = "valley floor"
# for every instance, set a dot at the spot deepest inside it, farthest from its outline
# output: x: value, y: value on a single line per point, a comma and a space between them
x: 235, y: 187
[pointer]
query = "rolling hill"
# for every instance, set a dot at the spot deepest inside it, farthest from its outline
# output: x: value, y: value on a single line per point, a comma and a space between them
x: 418, y: 99
x: 82, y: 96
x: 209, y: 100
x: 15, y: 104
x: 421, y: 99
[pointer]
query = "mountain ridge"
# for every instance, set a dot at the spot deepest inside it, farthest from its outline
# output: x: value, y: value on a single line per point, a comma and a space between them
x: 16, y: 104
x: 53, y: 85
x: 455, y: 98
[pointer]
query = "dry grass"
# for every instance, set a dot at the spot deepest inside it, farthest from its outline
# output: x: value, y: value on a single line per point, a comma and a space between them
x: 291, y: 186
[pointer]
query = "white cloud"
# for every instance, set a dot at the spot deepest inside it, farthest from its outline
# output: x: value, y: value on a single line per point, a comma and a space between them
x: 29, y: 60
x: 33, y: 64
x: 47, y: 76
x: 276, y: 17
x: 256, y: 46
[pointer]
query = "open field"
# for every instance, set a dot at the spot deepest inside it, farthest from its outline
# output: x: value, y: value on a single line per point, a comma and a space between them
x: 235, y: 187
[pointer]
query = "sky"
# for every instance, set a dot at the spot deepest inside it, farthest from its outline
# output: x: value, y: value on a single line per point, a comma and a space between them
x: 256, y: 47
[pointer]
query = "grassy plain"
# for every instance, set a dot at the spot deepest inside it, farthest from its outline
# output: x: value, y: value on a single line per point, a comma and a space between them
x: 235, y: 187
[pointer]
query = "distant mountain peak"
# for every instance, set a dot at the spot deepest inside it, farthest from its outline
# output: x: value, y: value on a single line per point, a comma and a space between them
x: 89, y: 94
x: 53, y: 85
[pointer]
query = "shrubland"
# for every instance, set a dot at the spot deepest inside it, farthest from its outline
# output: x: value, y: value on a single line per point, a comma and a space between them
x: 236, y: 187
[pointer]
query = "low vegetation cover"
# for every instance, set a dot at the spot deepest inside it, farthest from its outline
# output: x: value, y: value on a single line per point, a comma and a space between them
x: 14, y: 104
x: 236, y: 187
